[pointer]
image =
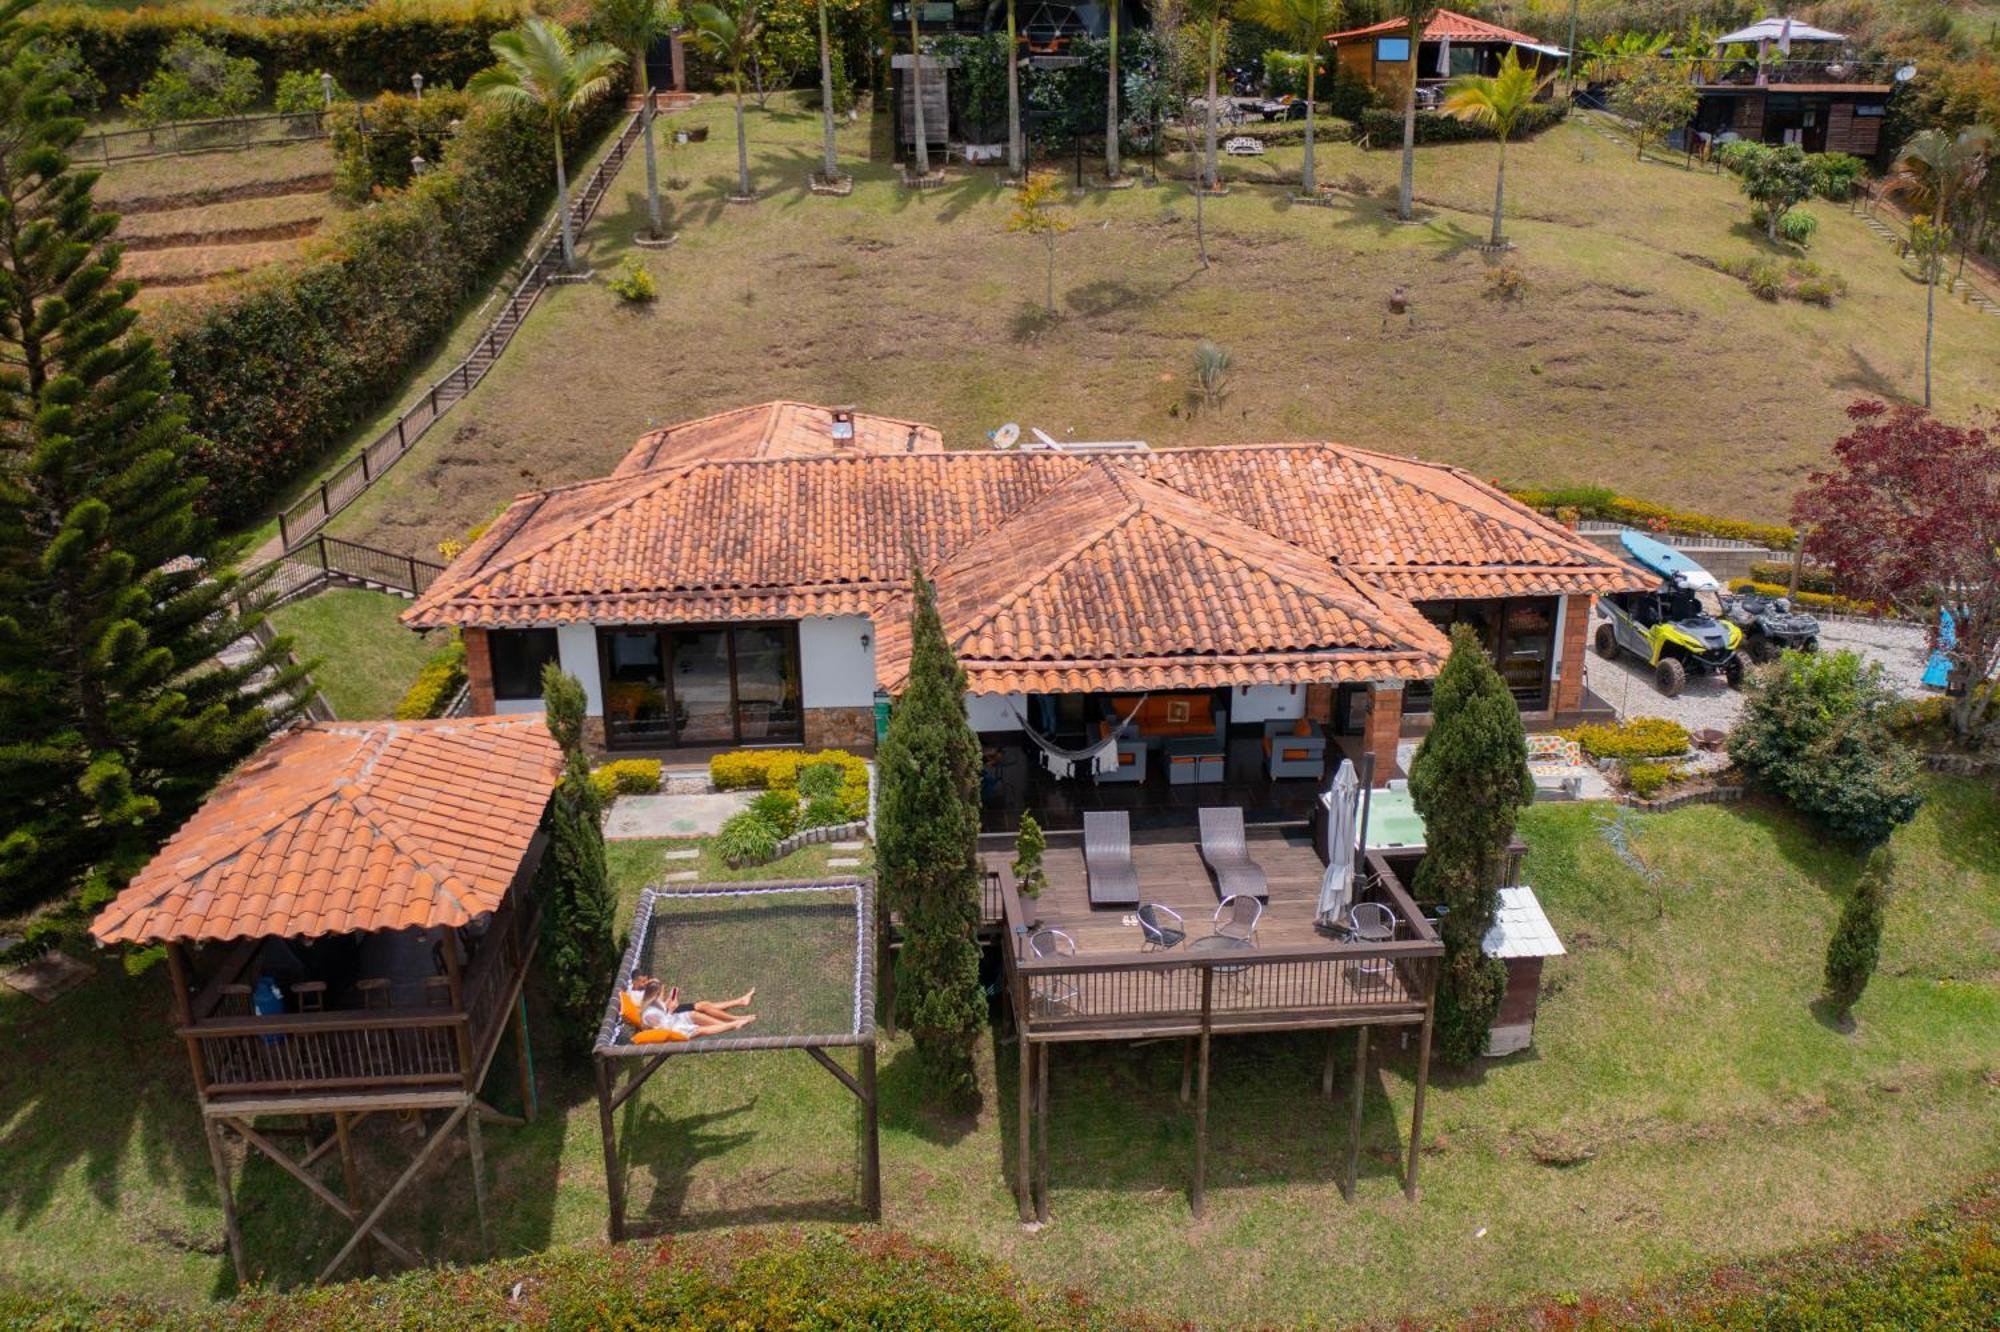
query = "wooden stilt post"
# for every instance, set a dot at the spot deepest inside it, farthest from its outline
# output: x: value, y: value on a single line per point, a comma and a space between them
x: 1024, y: 1188
x: 1353, y: 1175
x: 388, y: 1200
x: 350, y: 1180
x: 1326, y: 1073
x: 1417, y: 1110
x: 476, y: 1150
x: 456, y: 979
x: 871, y: 1141
x: 614, y: 1181
x: 230, y: 1230
x: 524, y: 1057
x: 1187, y: 1068
x: 1200, y: 1199
x: 1042, y: 1132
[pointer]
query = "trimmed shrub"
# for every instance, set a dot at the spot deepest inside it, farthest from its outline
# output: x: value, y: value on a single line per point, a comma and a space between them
x: 1637, y: 738
x: 1382, y: 126
x: 747, y: 839
x: 780, y: 809
x: 373, y: 144
x: 437, y: 683
x: 1804, y: 600
x: 825, y: 811
x: 1856, y: 945
x: 1647, y: 779
x: 295, y: 361
x: 1030, y: 844
x: 1835, y: 175
x: 1604, y: 505
x: 1812, y: 577
x: 625, y: 777
x: 779, y: 769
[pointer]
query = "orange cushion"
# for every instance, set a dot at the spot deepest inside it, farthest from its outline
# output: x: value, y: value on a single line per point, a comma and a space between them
x: 1295, y: 756
x: 654, y: 1037
x: 1302, y: 726
x: 627, y: 1009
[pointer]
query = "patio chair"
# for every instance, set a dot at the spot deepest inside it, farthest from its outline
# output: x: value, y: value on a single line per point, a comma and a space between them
x: 1371, y: 922
x: 1243, y: 912
x: 1294, y: 748
x: 1162, y: 927
x: 1227, y: 855
x: 1052, y: 996
x: 1107, y: 858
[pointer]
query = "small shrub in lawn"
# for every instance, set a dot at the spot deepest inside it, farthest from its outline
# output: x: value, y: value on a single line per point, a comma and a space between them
x: 779, y: 769
x: 1793, y: 279
x: 1505, y: 283
x: 634, y: 284
x: 1648, y: 778
x: 1211, y: 373
x: 1856, y: 945
x: 1636, y: 738
x: 825, y: 811
x: 747, y: 839
x: 820, y: 779
x: 1834, y: 174
x: 780, y: 809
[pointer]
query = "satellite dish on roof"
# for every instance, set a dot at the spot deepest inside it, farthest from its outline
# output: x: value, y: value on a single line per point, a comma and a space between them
x: 1906, y: 73
x: 1006, y: 436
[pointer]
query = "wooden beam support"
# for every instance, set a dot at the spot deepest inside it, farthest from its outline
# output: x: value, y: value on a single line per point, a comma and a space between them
x: 841, y: 1075
x: 871, y: 1139
x: 639, y: 1079
x: 455, y: 977
x: 229, y: 1227
x: 320, y: 1191
x: 1024, y: 1123
x: 332, y: 1140
x: 614, y: 1181
x: 1352, y: 1177
x: 1042, y: 1132
x: 476, y: 1150
x: 374, y: 1217
x: 1199, y: 1201
x: 350, y: 1178
x: 524, y: 1058
x: 1187, y: 1068
x: 177, y: 972
x: 1417, y: 1109
x: 1326, y: 1072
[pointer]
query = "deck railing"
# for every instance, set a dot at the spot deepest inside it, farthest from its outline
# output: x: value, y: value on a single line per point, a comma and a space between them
x: 323, y: 558
x: 329, y: 1050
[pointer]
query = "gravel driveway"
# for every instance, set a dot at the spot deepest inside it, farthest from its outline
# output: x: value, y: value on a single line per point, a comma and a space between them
x: 1627, y: 683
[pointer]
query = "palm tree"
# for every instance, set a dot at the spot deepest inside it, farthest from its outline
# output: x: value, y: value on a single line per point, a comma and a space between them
x: 1210, y: 21
x: 1931, y: 170
x: 1111, y: 101
x: 1497, y: 102
x: 728, y: 33
x: 830, y: 173
x: 1304, y: 23
x: 541, y: 67
x: 1014, y: 155
x: 633, y: 25
x: 917, y: 90
x: 1417, y: 13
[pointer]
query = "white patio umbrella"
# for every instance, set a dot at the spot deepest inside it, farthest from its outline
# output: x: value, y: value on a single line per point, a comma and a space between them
x: 1336, y: 886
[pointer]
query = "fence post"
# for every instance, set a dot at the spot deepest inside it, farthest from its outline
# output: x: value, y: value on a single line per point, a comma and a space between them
x: 413, y: 571
x: 325, y: 565
x: 434, y: 400
x: 284, y: 537
x: 325, y: 504
x: 402, y: 442
x: 366, y: 479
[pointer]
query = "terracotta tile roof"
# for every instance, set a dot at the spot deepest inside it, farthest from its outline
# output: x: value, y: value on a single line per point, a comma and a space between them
x: 337, y: 827
x: 776, y: 430
x: 1112, y: 581
x: 1443, y: 24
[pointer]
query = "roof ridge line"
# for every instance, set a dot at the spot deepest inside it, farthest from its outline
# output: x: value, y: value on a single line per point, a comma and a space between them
x: 655, y: 482
x: 1068, y: 554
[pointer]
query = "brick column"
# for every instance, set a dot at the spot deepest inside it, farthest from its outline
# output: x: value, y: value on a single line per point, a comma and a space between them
x: 1385, y: 725
x: 1575, y: 642
x: 478, y: 672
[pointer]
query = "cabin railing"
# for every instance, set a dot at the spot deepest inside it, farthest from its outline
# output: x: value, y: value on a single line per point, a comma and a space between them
x: 302, y: 1051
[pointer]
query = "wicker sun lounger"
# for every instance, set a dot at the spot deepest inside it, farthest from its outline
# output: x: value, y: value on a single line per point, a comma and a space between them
x: 1228, y: 856
x: 1107, y: 859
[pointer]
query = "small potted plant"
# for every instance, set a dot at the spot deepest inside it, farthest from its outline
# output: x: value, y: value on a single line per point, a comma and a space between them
x: 1029, y: 844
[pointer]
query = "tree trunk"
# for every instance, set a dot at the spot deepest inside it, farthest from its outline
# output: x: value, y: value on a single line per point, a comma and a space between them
x: 1930, y: 321
x: 1111, y: 103
x: 830, y: 172
x: 1049, y: 298
x: 652, y: 170
x: 1406, y: 191
x: 562, y: 201
x: 742, y: 145
x: 1200, y: 234
x: 1771, y: 223
x: 923, y: 158
x: 639, y: 70
x: 1014, y: 164
x: 1308, y: 186
x: 1499, y: 192
x: 1208, y: 166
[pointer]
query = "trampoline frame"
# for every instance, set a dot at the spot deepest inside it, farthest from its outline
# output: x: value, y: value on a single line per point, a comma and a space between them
x: 610, y: 1050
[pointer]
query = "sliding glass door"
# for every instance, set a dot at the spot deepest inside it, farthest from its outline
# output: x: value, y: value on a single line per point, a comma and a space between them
x: 702, y: 685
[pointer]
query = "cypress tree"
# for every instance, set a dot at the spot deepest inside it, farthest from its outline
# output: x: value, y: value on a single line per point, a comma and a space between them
x: 117, y: 711
x: 1856, y: 945
x: 1469, y: 781
x: 927, y: 852
x: 579, y: 956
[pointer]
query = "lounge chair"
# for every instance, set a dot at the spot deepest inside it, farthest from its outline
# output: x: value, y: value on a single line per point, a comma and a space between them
x: 1228, y: 857
x: 1162, y: 927
x: 1107, y: 858
x: 1237, y: 917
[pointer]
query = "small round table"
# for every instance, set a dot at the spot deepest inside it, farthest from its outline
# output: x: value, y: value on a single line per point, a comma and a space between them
x: 1225, y: 943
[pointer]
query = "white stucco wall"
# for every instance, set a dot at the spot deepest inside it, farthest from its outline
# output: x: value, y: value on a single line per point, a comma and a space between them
x: 996, y: 712
x: 837, y: 661
x: 1261, y: 703
x: 576, y: 648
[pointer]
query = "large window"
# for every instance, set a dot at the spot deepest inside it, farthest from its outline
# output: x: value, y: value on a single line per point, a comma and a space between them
x: 1392, y: 50
x: 1519, y: 633
x: 517, y: 656
x: 701, y: 685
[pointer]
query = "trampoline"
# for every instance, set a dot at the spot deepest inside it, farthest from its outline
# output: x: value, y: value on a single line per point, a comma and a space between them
x: 808, y: 947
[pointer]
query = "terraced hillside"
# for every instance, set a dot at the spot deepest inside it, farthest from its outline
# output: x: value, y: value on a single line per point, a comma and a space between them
x: 191, y: 223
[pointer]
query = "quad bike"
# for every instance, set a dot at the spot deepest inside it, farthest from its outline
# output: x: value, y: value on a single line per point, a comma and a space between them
x: 1770, y: 625
x: 1669, y: 628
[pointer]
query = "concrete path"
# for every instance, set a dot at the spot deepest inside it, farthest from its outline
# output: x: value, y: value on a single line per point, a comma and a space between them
x: 673, y: 815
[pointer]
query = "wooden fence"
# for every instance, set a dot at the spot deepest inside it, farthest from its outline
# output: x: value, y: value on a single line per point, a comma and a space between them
x: 347, y: 483
x: 323, y: 559
x: 178, y: 137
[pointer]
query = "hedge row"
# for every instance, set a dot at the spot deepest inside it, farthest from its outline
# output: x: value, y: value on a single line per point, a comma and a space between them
x: 437, y: 683
x: 289, y: 366
x: 1828, y: 602
x: 1382, y: 127
x: 368, y: 52
x: 1603, y: 505
x: 625, y: 777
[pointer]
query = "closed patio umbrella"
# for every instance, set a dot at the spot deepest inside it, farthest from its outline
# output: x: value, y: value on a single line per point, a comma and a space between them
x: 1336, y: 886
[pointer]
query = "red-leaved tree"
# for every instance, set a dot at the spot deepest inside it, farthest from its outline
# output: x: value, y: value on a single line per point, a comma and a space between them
x: 1909, y: 515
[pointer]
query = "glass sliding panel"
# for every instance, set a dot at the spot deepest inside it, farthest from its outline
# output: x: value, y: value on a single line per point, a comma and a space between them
x: 767, y: 685
x: 1527, y: 646
x: 635, y: 688
x: 703, y: 703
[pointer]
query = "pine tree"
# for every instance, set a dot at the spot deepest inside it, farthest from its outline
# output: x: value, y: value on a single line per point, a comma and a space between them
x: 117, y: 713
x: 579, y: 957
x: 1856, y: 945
x: 927, y: 852
x: 1469, y: 781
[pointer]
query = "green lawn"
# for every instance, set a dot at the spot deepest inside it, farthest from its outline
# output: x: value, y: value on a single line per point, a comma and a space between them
x: 1684, y: 1103
x: 1628, y: 361
x: 367, y: 659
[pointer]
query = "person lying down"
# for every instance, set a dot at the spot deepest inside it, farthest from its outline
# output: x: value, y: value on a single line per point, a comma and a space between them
x: 653, y: 1008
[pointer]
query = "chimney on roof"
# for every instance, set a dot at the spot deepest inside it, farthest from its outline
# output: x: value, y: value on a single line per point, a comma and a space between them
x: 843, y: 425
x: 910, y: 444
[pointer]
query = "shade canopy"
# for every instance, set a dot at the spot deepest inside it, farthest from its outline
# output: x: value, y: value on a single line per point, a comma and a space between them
x: 1773, y: 29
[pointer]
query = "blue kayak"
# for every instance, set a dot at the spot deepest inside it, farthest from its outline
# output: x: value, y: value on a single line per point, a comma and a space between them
x: 1665, y: 561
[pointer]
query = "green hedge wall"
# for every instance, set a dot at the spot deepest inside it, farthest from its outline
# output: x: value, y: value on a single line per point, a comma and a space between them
x: 1384, y: 127
x: 1605, y: 505
x: 368, y: 52
x: 281, y: 372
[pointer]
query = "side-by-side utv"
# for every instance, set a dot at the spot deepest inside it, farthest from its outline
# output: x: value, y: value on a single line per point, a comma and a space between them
x: 1669, y: 628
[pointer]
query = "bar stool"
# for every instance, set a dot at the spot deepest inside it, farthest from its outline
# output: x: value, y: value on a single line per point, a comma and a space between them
x: 437, y: 992
x: 234, y: 1001
x: 374, y: 992
x: 310, y: 996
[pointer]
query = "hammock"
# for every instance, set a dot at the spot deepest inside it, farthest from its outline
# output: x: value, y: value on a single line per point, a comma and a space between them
x: 1100, y: 758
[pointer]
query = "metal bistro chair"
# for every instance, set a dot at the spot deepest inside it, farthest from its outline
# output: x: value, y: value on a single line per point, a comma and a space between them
x: 1243, y: 912
x: 1371, y: 922
x: 1052, y: 996
x: 1162, y: 927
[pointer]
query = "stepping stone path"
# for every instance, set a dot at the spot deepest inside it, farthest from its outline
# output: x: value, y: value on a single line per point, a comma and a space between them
x: 842, y: 862
x: 682, y: 876
x: 690, y: 854
x: 848, y: 846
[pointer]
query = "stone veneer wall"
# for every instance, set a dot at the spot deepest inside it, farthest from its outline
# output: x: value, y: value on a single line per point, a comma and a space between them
x: 852, y: 729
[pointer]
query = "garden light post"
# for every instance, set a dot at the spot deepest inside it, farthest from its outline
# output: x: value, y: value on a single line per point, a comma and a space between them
x: 417, y: 82
x: 326, y: 89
